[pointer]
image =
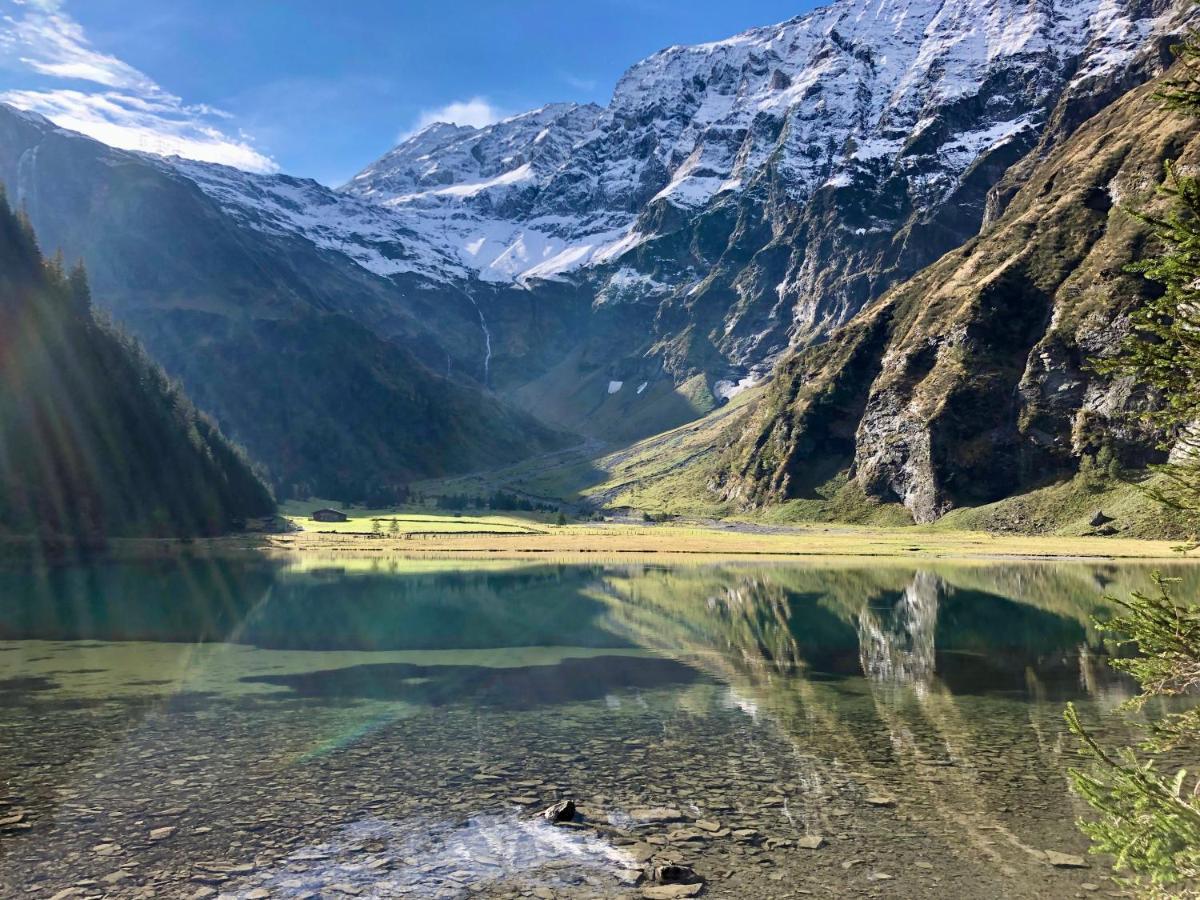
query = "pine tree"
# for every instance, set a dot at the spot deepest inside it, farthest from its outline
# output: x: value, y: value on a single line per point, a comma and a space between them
x: 1150, y: 821
x: 1182, y: 90
x: 1162, y: 350
x: 81, y: 291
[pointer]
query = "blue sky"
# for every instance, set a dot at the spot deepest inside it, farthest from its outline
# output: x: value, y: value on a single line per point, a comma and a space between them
x: 319, y: 88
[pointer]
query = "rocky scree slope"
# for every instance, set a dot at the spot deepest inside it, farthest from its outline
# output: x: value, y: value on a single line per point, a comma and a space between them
x: 970, y: 382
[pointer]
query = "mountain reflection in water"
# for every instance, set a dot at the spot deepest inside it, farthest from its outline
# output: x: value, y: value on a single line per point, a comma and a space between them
x: 390, y: 728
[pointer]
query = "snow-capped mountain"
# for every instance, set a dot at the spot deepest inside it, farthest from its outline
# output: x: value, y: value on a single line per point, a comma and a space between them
x: 464, y: 160
x: 917, y: 88
x: 652, y: 256
x: 481, y: 193
x: 749, y: 193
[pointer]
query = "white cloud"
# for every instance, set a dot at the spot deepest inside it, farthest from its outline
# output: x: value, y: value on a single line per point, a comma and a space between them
x: 477, y: 112
x: 109, y: 99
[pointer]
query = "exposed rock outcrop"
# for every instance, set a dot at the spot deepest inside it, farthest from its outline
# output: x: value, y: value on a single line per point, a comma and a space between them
x: 970, y: 381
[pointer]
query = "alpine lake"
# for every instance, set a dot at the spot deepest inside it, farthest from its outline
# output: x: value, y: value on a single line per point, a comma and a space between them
x: 395, y: 728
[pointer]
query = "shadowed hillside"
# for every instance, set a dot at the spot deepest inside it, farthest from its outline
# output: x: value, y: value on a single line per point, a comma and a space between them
x: 94, y: 440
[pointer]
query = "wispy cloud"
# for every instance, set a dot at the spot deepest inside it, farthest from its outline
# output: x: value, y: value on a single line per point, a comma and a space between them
x: 580, y: 84
x: 477, y: 112
x: 109, y: 99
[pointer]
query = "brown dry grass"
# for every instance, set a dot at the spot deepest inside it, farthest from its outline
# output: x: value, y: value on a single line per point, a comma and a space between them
x: 728, y: 541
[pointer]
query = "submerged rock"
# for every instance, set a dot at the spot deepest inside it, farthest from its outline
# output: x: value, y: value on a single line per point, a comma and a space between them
x: 14, y: 821
x: 671, y: 891
x: 656, y: 814
x: 674, y: 873
x: 562, y: 811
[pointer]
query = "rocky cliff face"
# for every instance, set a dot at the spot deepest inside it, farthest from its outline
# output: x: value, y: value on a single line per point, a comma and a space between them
x: 970, y: 382
x: 734, y: 199
x: 754, y: 192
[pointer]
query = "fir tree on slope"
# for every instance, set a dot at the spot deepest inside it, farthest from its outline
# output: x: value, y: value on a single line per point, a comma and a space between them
x: 95, y: 441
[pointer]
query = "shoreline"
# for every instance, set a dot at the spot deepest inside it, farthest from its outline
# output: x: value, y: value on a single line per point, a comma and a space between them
x: 728, y: 540
x: 696, y: 542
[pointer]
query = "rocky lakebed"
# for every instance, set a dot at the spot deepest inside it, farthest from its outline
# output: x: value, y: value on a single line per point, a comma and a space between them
x: 609, y: 732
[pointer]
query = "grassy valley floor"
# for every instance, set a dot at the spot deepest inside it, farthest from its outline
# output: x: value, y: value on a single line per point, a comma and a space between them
x: 383, y: 533
x: 515, y: 539
x: 669, y: 475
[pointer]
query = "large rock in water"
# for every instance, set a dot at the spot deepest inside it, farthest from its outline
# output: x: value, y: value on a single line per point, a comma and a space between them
x: 970, y: 381
x: 674, y: 873
x: 562, y: 811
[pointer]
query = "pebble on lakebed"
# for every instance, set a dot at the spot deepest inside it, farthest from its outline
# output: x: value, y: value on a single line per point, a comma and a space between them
x: 1065, y: 860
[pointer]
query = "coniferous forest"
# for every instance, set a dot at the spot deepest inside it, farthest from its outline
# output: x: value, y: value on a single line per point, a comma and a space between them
x: 95, y: 441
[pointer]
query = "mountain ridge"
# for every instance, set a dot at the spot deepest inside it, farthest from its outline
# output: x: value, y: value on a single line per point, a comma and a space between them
x: 645, y: 261
x: 760, y: 189
x: 971, y: 381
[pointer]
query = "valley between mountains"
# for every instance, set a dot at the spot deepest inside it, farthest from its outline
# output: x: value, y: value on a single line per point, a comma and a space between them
x: 853, y: 267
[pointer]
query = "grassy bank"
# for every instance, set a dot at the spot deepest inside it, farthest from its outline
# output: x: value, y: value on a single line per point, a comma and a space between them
x: 379, y: 533
x: 370, y: 532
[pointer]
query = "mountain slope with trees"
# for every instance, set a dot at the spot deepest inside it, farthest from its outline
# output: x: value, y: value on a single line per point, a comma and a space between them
x: 337, y: 382
x: 95, y: 441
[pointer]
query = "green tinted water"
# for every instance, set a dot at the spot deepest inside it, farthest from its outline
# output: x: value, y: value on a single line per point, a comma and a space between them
x: 253, y: 730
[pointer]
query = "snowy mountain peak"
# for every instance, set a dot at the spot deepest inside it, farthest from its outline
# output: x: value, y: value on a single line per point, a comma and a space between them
x: 815, y: 100
x: 444, y: 155
x: 846, y: 127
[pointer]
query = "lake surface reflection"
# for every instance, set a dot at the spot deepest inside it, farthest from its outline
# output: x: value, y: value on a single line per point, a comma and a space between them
x: 263, y: 729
